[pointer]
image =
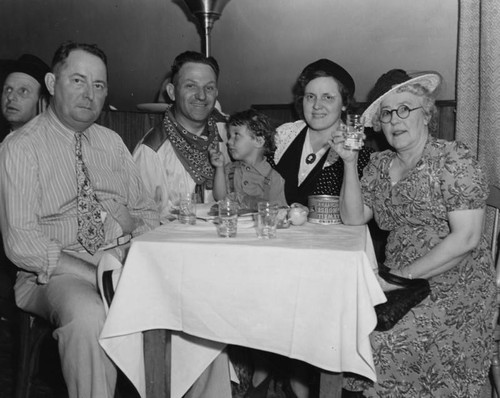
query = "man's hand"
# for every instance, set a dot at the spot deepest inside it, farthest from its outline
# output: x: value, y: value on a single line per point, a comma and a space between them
x: 122, y: 216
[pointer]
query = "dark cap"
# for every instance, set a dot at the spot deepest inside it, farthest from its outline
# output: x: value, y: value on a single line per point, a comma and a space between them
x: 332, y: 69
x: 29, y: 64
x: 386, y: 82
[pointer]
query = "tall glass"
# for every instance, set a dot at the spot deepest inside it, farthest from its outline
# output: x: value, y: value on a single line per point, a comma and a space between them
x: 228, y: 218
x: 354, y: 132
x: 187, y: 209
x: 267, y: 220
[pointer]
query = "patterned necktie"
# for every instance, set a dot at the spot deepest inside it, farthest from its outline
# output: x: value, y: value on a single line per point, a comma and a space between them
x: 90, y: 226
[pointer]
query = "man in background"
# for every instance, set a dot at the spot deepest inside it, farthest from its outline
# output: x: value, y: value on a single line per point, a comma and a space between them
x: 24, y: 93
x: 69, y: 189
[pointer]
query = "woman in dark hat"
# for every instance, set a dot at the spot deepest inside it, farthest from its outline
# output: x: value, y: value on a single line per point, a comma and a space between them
x: 430, y: 195
x: 323, y: 94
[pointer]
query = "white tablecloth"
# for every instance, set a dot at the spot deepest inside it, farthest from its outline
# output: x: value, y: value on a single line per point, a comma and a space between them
x: 309, y: 295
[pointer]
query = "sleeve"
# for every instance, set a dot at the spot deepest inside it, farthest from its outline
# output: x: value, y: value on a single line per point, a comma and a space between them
x: 463, y: 183
x: 140, y: 204
x: 25, y: 244
x: 370, y: 177
x: 285, y: 134
x: 363, y: 159
x: 152, y: 173
x: 277, y: 193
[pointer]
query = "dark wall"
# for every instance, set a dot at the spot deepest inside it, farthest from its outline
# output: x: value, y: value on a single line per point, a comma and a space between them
x: 261, y: 45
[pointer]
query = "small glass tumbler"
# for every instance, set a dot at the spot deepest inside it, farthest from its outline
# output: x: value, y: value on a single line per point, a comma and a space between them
x: 187, y: 209
x: 354, y: 132
x: 228, y: 218
x: 267, y: 220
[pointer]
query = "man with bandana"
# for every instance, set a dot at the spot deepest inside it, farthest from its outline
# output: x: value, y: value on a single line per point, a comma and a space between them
x: 173, y: 160
x: 173, y: 156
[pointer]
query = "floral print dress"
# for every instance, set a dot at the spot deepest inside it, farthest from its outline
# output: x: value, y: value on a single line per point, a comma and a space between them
x: 442, y: 347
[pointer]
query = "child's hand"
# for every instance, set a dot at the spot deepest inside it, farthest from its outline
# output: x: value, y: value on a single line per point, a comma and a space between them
x: 216, y: 157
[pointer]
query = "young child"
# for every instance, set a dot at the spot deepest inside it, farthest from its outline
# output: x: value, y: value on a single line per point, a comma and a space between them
x: 249, y: 178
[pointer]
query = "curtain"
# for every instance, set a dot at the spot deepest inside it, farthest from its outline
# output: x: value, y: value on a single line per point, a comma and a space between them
x: 478, y: 90
x: 478, y: 82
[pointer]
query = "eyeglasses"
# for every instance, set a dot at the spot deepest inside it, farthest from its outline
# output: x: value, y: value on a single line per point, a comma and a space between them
x: 402, y: 111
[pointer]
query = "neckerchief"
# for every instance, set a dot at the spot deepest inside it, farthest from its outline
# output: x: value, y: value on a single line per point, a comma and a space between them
x: 192, y: 150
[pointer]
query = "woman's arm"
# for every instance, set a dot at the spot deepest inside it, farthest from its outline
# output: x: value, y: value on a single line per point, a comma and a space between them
x: 352, y: 209
x: 466, y: 228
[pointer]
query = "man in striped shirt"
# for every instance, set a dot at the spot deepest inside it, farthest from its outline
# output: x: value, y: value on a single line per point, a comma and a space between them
x: 38, y: 212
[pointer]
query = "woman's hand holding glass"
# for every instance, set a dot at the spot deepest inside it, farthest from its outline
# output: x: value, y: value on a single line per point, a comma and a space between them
x: 337, y: 143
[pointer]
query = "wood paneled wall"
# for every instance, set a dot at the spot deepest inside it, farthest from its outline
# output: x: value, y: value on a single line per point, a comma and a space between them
x: 132, y: 126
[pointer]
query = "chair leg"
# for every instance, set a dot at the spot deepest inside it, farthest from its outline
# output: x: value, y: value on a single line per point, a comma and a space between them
x: 24, y: 355
x: 495, y: 370
x: 32, y: 332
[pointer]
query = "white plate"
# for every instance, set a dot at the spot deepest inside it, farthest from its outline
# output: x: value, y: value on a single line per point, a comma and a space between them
x: 246, y: 221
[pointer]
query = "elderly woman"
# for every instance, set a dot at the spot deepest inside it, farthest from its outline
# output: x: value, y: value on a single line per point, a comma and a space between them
x: 430, y: 194
x: 324, y: 92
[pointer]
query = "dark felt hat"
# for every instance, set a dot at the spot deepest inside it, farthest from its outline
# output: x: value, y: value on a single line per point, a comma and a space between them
x: 29, y: 64
x: 331, y: 69
x: 392, y: 81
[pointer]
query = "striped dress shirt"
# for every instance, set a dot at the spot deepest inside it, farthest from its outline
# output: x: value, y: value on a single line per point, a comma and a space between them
x: 38, y: 189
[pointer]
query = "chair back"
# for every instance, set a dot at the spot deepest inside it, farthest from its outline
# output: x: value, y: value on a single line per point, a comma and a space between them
x: 109, y: 271
x: 494, y: 202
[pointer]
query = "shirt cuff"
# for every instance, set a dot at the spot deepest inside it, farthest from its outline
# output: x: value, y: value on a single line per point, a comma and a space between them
x: 53, y: 253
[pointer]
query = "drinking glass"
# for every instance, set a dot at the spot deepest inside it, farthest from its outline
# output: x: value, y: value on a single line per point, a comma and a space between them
x: 353, y: 132
x: 267, y: 220
x: 228, y: 218
x: 187, y: 209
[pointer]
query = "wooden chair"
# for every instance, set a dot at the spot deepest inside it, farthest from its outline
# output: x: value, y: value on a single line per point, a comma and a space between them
x: 33, y: 331
x: 494, y: 202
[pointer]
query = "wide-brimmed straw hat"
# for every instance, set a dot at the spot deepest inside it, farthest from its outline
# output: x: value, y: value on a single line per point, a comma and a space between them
x: 391, y: 82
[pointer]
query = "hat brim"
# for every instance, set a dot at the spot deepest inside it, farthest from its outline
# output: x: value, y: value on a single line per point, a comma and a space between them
x: 429, y: 80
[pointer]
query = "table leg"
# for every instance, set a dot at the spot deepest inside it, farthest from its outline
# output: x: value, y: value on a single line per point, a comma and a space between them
x: 157, y: 362
x: 330, y: 385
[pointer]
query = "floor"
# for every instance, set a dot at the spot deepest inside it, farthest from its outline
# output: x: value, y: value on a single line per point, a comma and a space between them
x: 50, y: 384
x: 7, y: 361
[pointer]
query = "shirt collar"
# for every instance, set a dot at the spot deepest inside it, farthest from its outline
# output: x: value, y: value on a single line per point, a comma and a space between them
x: 60, y: 128
x: 263, y: 167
